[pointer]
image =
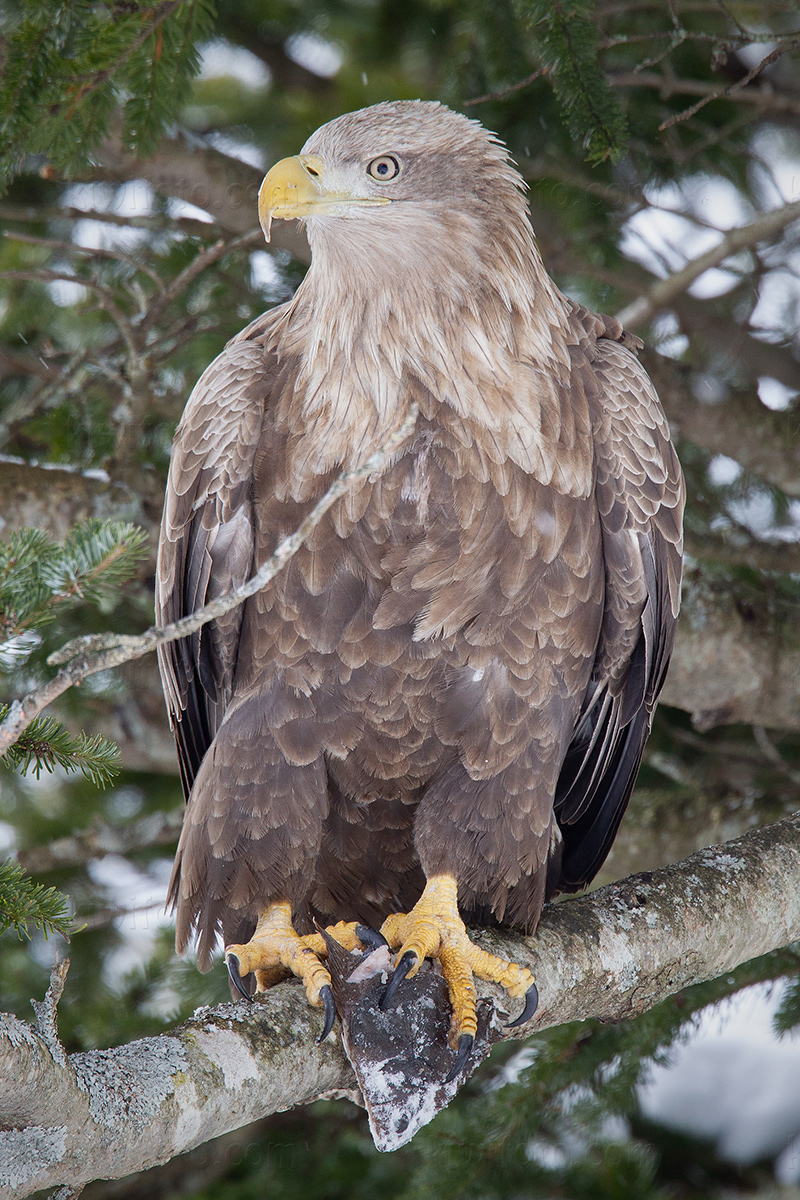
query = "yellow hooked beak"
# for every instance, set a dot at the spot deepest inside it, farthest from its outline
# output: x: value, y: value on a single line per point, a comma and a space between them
x: 295, y: 187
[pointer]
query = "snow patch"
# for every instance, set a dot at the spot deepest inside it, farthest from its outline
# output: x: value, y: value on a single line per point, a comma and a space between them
x: 227, y: 1051
x: 617, y: 959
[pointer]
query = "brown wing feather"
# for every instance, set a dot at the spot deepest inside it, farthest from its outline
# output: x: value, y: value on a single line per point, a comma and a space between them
x: 206, y: 542
x: 640, y: 494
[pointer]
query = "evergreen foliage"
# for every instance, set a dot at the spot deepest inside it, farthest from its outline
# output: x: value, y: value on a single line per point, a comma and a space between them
x: 566, y: 39
x: 47, y: 744
x: 38, y: 578
x: 24, y: 903
x: 70, y: 68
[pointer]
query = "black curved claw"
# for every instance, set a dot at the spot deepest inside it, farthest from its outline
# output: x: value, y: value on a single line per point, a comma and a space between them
x: 370, y: 937
x: 398, y: 975
x: 326, y: 996
x: 232, y: 963
x: 531, y: 1004
x: 465, y: 1043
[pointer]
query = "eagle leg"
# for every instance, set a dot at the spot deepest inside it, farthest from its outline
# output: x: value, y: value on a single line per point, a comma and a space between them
x: 276, y: 944
x: 434, y: 929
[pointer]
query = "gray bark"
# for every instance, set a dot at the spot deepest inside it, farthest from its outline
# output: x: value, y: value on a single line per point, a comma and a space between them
x: 54, y: 498
x: 610, y: 955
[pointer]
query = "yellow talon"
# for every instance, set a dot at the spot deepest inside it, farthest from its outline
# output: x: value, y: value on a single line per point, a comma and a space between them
x: 343, y: 931
x: 434, y: 929
x: 276, y: 945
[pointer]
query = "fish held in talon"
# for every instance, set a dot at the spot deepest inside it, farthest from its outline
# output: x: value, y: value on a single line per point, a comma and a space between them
x: 435, y: 712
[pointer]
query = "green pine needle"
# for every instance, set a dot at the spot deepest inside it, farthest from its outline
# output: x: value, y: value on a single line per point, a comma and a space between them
x: 37, y: 577
x: 47, y: 744
x: 566, y: 41
x: 96, y: 558
x: 24, y: 903
x: 70, y: 67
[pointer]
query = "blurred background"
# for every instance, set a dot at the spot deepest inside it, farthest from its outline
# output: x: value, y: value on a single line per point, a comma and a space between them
x: 661, y: 145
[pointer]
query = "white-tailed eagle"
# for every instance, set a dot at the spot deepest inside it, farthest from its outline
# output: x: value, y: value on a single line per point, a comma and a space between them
x: 437, y: 710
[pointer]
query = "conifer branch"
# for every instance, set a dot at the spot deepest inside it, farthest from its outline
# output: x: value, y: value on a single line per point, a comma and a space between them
x: 47, y: 744
x: 566, y: 40
x: 24, y: 903
x: 85, y: 656
x: 83, y: 86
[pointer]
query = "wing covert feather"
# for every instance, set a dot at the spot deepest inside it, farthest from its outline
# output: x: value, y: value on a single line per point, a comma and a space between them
x: 206, y: 543
x: 639, y: 492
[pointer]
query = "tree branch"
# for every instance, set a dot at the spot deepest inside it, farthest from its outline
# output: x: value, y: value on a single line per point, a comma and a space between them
x: 755, y: 356
x: 85, y: 656
x: 771, y: 100
x: 745, y: 236
x: 54, y: 497
x: 733, y: 89
x: 78, y: 848
x: 761, y: 556
x: 610, y: 955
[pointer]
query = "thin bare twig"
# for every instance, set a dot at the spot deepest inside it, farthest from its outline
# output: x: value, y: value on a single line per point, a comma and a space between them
x: 104, y: 916
x: 742, y: 238
x: 92, y: 251
x: 733, y: 89
x: 204, y: 258
x: 87, y: 655
x: 104, y: 295
x: 78, y: 848
x: 158, y: 224
x: 773, y: 754
x: 508, y: 91
x: 668, y: 86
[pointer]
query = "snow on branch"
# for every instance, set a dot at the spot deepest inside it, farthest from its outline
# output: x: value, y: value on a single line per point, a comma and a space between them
x: 613, y: 954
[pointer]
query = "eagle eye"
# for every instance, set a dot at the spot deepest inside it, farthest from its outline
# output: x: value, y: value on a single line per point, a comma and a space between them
x: 384, y: 168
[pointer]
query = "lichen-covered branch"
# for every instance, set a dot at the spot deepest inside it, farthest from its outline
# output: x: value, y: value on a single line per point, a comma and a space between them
x: 609, y: 955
